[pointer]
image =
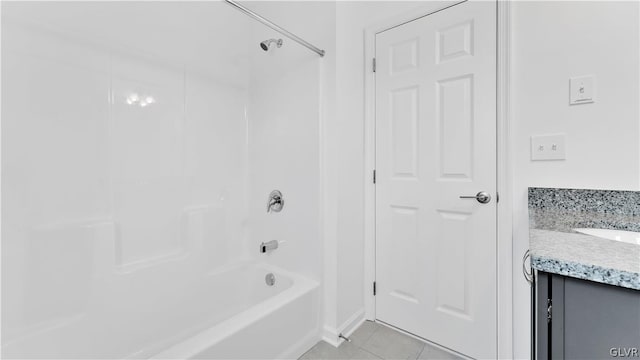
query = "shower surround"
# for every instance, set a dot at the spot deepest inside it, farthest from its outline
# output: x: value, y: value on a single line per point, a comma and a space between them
x: 140, y: 143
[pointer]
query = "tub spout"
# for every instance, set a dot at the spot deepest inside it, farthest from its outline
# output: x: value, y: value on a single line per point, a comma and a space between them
x: 268, y: 246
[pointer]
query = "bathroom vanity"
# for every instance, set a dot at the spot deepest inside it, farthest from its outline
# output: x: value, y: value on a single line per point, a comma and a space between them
x: 582, y: 319
x: 585, y: 247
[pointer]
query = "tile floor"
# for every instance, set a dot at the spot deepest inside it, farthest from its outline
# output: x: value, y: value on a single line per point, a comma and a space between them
x: 376, y: 341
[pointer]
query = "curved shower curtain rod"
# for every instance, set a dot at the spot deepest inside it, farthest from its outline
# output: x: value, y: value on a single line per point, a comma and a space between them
x: 275, y: 27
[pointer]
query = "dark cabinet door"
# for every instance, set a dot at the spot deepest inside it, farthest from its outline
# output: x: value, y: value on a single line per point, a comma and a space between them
x: 589, y: 320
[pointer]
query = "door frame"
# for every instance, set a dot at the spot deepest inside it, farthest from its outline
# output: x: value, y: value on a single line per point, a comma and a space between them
x: 504, y: 256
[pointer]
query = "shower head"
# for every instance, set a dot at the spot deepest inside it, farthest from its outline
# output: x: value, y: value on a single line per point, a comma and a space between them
x: 265, y: 45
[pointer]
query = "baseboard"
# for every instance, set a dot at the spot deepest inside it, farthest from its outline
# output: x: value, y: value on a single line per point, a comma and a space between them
x: 331, y: 335
x: 353, y: 322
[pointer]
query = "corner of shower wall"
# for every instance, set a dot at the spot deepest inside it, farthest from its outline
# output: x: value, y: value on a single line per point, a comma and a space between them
x: 284, y: 112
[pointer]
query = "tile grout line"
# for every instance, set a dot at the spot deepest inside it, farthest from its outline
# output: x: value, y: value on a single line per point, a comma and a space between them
x: 367, y: 351
x: 370, y: 353
x: 377, y: 327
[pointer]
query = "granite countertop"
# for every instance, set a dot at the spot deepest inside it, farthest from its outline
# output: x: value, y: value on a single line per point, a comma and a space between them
x: 556, y: 248
x: 586, y: 257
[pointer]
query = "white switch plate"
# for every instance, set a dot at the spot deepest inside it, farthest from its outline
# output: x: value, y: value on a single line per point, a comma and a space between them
x: 581, y: 90
x: 548, y: 147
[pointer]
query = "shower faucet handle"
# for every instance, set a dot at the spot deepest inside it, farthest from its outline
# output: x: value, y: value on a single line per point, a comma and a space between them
x: 275, y: 202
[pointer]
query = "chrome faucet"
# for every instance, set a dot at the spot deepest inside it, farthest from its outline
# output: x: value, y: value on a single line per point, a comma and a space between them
x: 275, y: 202
x: 268, y: 246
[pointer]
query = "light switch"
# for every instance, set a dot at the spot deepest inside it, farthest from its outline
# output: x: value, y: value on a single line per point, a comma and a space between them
x: 581, y: 90
x: 548, y: 147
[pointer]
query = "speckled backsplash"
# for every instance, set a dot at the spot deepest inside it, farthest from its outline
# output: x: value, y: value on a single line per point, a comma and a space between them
x: 567, y: 209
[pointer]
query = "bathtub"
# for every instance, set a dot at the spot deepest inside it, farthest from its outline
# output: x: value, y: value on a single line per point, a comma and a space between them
x: 277, y: 322
x: 228, y: 314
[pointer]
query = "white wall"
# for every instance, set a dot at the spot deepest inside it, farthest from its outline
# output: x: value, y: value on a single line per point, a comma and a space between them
x: 553, y: 41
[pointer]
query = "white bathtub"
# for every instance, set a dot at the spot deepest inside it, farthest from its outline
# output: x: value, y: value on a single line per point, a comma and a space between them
x: 231, y: 314
x: 276, y: 322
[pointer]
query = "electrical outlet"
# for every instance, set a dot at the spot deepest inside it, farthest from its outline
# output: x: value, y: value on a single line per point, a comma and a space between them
x: 548, y: 147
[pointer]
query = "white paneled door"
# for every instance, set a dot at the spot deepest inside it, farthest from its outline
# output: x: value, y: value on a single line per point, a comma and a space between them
x: 435, y: 142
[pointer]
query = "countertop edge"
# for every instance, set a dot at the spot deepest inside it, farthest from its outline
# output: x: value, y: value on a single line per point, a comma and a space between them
x: 586, y: 272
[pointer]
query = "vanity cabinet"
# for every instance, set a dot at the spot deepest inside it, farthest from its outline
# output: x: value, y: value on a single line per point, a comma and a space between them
x: 580, y: 319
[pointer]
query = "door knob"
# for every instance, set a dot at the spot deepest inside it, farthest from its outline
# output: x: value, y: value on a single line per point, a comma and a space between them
x: 483, y: 197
